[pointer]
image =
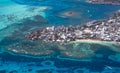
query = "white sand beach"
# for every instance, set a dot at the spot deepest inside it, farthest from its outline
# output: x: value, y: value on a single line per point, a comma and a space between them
x: 94, y: 41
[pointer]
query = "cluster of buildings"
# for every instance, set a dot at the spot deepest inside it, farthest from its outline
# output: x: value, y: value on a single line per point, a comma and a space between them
x: 104, y: 1
x: 104, y: 30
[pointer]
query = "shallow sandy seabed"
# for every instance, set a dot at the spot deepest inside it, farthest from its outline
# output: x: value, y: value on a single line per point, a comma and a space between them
x: 75, y: 49
x: 112, y: 45
x: 15, y: 13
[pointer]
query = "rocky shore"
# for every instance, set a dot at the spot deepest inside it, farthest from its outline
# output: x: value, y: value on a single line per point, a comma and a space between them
x: 115, y: 2
x: 102, y: 30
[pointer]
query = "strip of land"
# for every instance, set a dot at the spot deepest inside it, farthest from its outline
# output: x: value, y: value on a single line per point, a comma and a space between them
x: 103, y: 30
x: 94, y: 42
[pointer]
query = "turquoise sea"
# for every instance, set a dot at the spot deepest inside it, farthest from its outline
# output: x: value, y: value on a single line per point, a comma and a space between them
x: 19, y: 55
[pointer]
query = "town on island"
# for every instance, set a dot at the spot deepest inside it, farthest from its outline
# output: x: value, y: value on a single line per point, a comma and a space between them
x: 79, y: 41
x: 107, y: 30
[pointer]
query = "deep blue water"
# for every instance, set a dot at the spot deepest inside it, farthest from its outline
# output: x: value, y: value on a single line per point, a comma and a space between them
x: 53, y: 64
x: 88, y: 11
x: 105, y: 60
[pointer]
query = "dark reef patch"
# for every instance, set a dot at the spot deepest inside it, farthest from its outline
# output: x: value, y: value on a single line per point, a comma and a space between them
x: 3, y: 71
x: 43, y: 71
x: 14, y: 71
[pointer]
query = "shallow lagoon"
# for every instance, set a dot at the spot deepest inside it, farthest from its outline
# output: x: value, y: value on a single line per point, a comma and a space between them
x: 21, y: 17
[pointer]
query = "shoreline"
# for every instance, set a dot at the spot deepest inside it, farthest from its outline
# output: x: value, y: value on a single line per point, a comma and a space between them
x: 94, y: 41
x: 104, y: 43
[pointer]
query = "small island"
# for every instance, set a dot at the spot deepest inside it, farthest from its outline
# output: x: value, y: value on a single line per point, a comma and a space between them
x: 97, y: 31
x: 81, y: 41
